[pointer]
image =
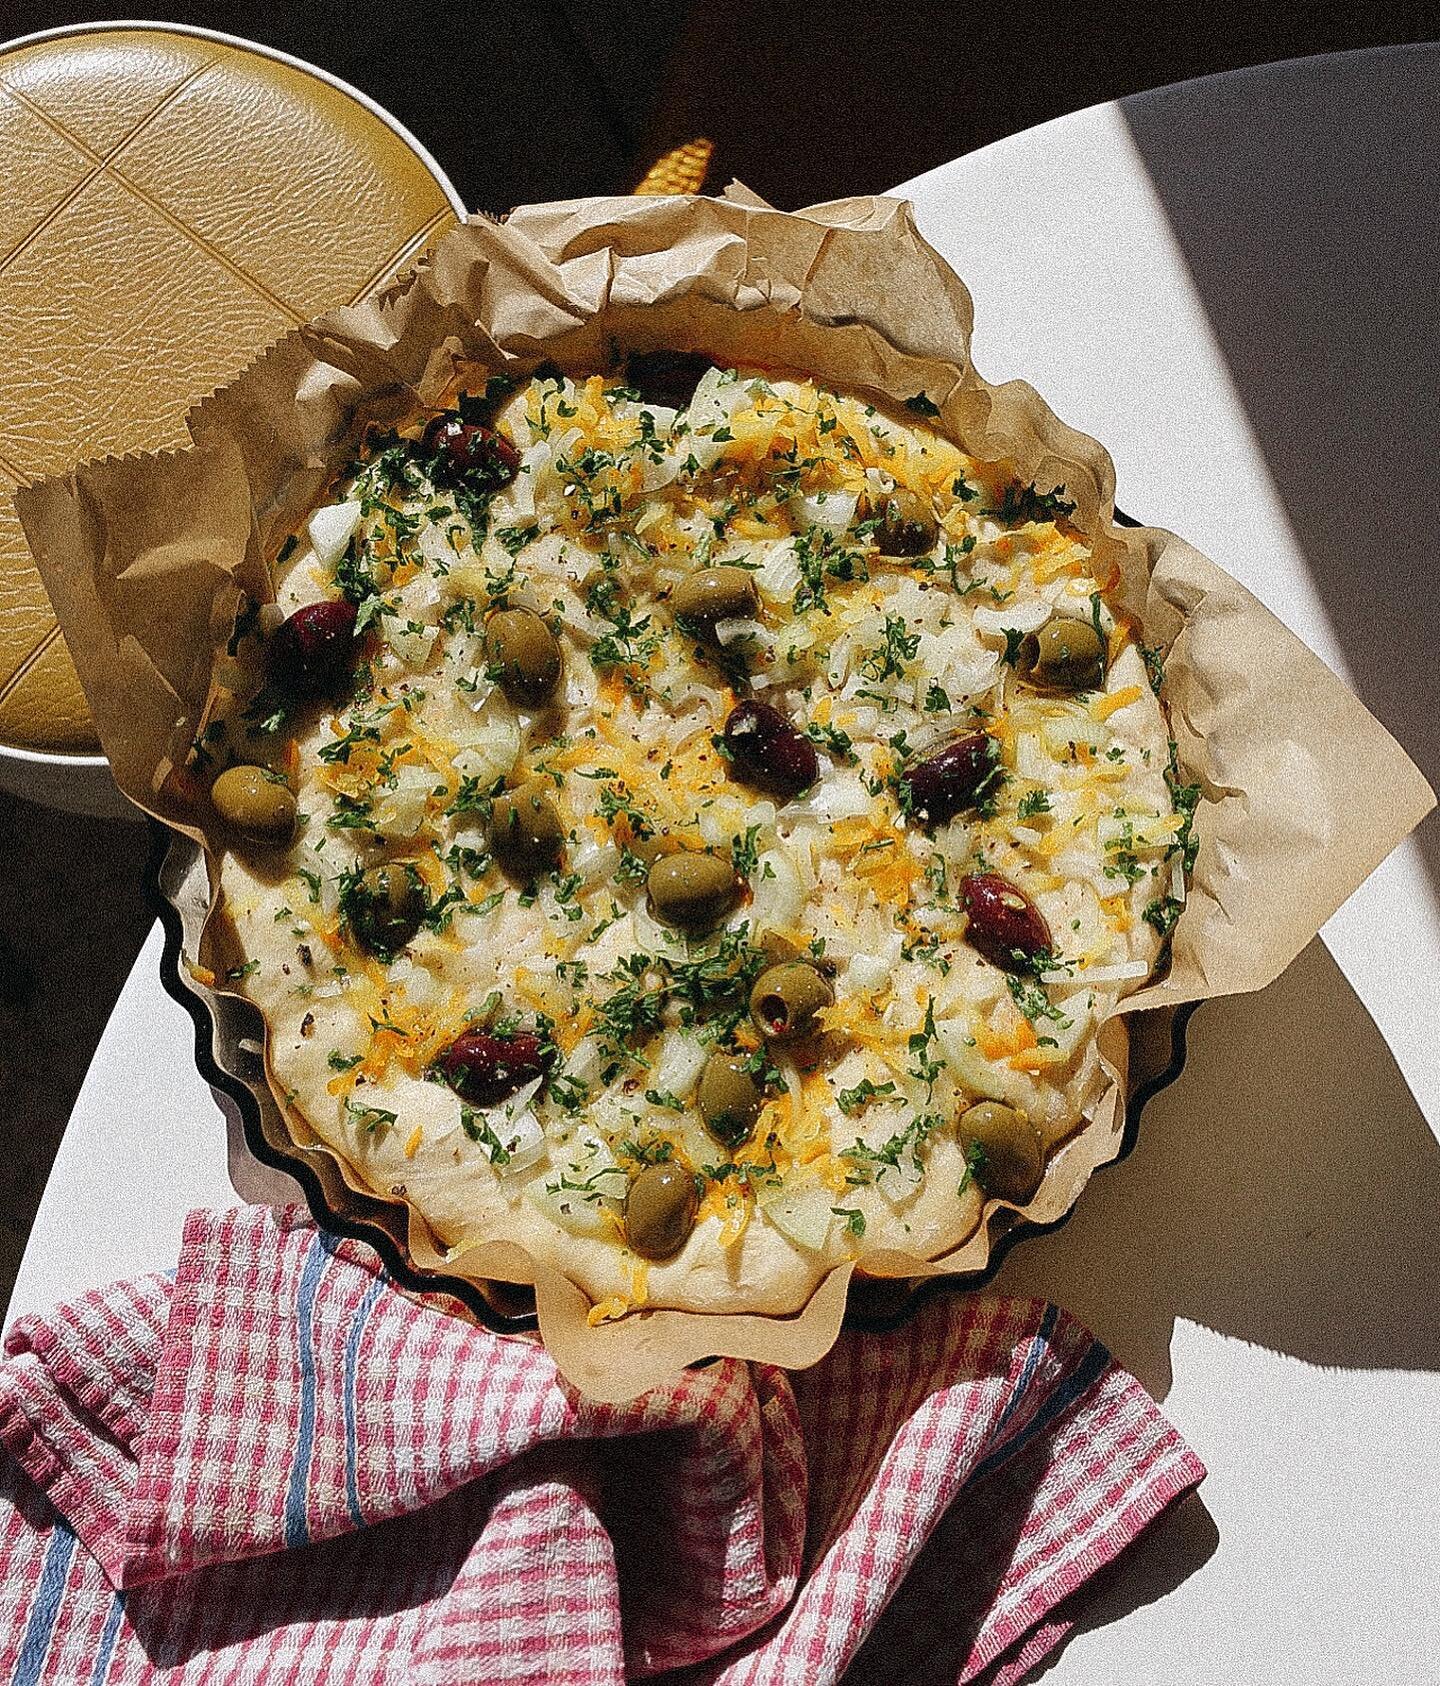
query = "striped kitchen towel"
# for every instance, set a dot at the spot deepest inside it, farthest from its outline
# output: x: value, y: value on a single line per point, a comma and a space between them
x: 277, y: 1468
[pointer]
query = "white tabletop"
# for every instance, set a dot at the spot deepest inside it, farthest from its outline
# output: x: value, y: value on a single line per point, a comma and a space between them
x: 1191, y: 275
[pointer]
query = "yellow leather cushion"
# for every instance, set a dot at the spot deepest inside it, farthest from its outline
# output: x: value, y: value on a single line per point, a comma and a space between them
x: 171, y: 205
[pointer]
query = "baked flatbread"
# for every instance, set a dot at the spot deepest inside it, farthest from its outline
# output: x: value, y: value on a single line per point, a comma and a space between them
x: 724, y: 813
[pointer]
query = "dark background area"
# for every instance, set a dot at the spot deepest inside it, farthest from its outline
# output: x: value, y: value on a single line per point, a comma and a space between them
x: 526, y: 102
x: 804, y: 101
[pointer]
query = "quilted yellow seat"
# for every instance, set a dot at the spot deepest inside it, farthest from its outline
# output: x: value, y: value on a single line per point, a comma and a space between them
x: 172, y: 203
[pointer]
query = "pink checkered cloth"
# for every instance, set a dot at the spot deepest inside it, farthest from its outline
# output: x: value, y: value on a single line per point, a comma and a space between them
x: 277, y: 1468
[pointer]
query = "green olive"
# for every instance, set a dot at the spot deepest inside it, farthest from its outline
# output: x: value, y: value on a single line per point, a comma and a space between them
x: 1064, y: 655
x: 1010, y: 1160
x: 526, y: 832
x: 776, y: 948
x: 388, y: 908
x: 716, y: 594
x: 786, y: 999
x: 729, y: 1097
x: 660, y: 1210
x: 907, y: 525
x: 255, y: 803
x: 692, y: 890
x: 525, y: 654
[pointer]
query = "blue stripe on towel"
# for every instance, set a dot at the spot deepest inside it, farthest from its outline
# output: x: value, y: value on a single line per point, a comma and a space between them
x: 111, y: 1633
x: 1084, y: 1376
x: 45, y: 1611
x: 1027, y: 1369
x: 296, y: 1531
x: 352, y: 1358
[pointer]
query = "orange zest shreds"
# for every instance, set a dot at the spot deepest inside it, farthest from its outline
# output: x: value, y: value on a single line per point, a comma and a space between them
x: 639, y: 1281
x: 202, y: 974
x: 1032, y: 1060
x: 413, y: 1141
x: 833, y: 1173
x: 611, y: 1219
x: 750, y: 527
x: 1117, y: 910
x: 432, y: 874
x: 606, y: 1310
x: 1052, y: 567
x: 997, y: 1044
x: 1103, y: 707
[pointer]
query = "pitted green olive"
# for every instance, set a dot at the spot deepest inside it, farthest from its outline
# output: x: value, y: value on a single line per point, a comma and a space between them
x: 526, y: 832
x: 388, y: 908
x: 907, y: 525
x: 716, y: 594
x: 1010, y: 1159
x: 660, y: 1210
x: 1064, y: 655
x: 692, y: 890
x: 255, y: 803
x: 525, y: 655
x: 786, y: 999
x: 729, y: 1097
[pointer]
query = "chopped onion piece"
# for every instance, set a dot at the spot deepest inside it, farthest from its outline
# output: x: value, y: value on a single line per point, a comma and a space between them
x: 1118, y: 973
x: 1024, y: 615
x: 803, y: 1216
x: 834, y: 511
x: 331, y: 529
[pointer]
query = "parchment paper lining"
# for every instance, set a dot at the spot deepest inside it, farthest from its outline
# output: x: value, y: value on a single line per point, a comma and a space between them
x: 144, y: 558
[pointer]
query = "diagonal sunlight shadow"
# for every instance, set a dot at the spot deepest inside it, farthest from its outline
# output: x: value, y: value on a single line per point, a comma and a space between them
x: 1286, y: 1191
x: 1302, y: 197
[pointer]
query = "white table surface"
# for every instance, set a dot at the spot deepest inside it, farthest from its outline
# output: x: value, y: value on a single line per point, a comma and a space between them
x: 1188, y: 275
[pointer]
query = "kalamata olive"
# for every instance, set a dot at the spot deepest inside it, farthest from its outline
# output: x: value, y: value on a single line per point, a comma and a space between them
x: 1010, y: 1161
x: 954, y: 778
x: 485, y: 1069
x: 729, y: 1097
x: 765, y: 750
x: 481, y: 455
x: 786, y: 999
x: 660, y: 1210
x: 1064, y: 655
x: 1005, y: 925
x: 716, y: 594
x: 667, y: 378
x: 692, y: 890
x: 526, y: 832
x: 525, y: 653
x: 907, y: 525
x: 311, y: 653
x: 387, y: 908
x: 253, y: 802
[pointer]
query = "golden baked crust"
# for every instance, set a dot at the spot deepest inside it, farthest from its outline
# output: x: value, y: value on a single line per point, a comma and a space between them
x: 892, y: 599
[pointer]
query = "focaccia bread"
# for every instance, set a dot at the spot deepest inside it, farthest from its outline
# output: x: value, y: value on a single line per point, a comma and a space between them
x: 691, y: 824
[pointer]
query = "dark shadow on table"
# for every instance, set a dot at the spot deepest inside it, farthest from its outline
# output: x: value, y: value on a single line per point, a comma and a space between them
x: 1286, y: 1191
x: 1303, y: 197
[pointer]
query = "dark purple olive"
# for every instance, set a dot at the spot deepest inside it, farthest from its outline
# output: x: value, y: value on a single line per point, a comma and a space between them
x: 1005, y: 925
x: 954, y: 778
x: 765, y: 750
x: 667, y: 378
x: 474, y: 451
x: 311, y: 654
x: 485, y: 1069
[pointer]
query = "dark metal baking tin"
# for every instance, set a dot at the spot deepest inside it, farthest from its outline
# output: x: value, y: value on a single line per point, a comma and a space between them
x: 229, y: 1052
